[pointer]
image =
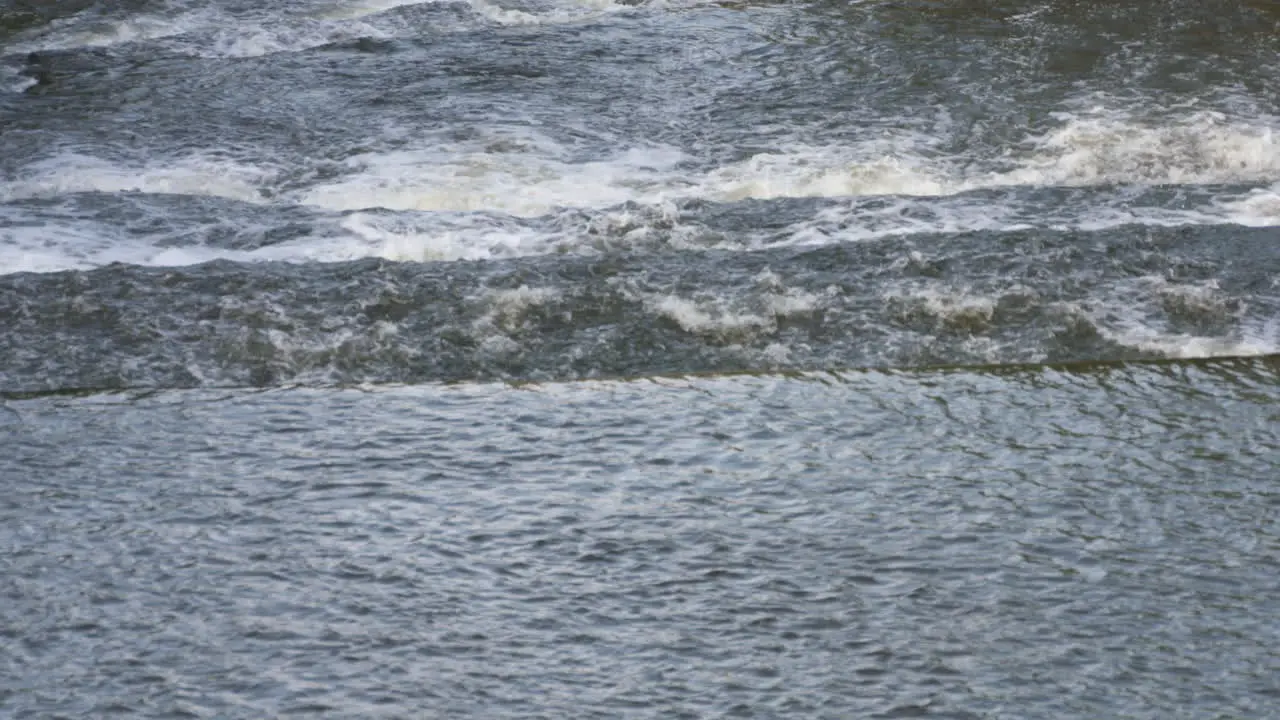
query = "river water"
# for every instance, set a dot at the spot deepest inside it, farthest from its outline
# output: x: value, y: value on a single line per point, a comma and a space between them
x: 660, y: 358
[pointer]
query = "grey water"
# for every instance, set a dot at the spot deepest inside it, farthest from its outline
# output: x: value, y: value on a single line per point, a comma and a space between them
x: 582, y: 358
x: 1028, y: 543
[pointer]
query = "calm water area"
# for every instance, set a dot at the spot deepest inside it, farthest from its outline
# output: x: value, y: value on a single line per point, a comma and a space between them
x: 641, y: 359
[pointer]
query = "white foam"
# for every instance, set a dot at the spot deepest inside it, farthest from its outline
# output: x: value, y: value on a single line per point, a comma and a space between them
x: 1183, y: 346
x: 356, y: 9
x: 203, y: 32
x: 1200, y: 148
x: 728, y: 320
x: 820, y: 172
x: 955, y: 311
x: 12, y: 81
x: 267, y: 38
x: 506, y: 313
x: 507, y: 309
x: 326, y: 249
x: 28, y: 244
x: 87, y: 30
x: 209, y: 32
x: 45, y: 249
x: 469, y: 196
x: 346, y: 21
x: 1257, y: 208
x: 425, y: 237
x: 526, y: 177
x: 410, y: 238
x: 1151, y: 314
x: 522, y: 174
x: 709, y: 317
x: 193, y: 175
x: 529, y: 176
x: 562, y: 11
x: 213, y: 32
x: 789, y: 302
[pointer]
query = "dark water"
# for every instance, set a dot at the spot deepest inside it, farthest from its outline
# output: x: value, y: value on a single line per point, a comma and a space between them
x: 586, y: 358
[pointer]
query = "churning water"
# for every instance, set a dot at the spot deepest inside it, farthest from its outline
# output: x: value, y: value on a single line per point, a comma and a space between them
x: 671, y: 358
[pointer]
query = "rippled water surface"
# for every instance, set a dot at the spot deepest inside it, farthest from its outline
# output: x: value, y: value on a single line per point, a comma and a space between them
x: 1021, y: 543
x: 639, y: 358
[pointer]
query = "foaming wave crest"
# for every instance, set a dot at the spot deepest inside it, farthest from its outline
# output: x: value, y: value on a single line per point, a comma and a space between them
x: 1185, y: 346
x: 214, y: 32
x: 193, y: 175
x: 529, y: 176
x: 822, y: 172
x: 521, y: 177
x: 348, y: 21
x: 512, y: 192
x: 426, y: 237
x: 217, y: 32
x: 1182, y: 320
x: 87, y: 30
x: 535, y: 12
x: 354, y: 9
x: 410, y: 238
x: 546, y: 14
x: 730, y: 320
x: 12, y: 81
x: 34, y: 246
x: 275, y: 37
x: 506, y: 314
x: 1202, y: 148
x: 944, y: 311
x: 40, y: 245
x: 1257, y: 208
x: 1142, y: 318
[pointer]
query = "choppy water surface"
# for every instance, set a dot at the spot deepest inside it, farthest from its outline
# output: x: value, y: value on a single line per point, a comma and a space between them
x: 198, y: 193
x: 314, y: 314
